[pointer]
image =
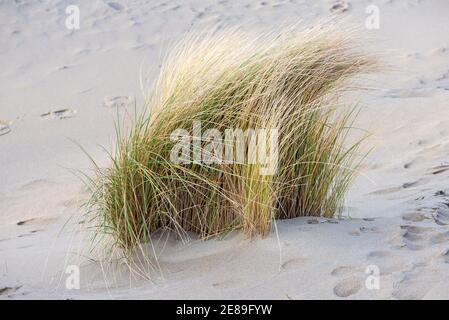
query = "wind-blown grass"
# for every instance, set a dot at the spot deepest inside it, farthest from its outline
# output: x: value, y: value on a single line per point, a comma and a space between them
x: 289, y: 80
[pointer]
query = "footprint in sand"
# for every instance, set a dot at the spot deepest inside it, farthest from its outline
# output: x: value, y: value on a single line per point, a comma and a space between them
x: 348, y: 287
x: 440, y: 238
x: 4, y: 127
x: 415, y: 230
x: 414, y: 217
x: 118, y: 102
x: 59, y: 114
x: 415, y: 283
x: 8, y: 290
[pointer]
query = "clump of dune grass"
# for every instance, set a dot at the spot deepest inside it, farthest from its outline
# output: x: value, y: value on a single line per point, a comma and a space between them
x: 290, y: 80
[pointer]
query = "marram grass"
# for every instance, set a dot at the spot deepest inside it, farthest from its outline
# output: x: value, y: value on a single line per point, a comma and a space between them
x: 289, y: 80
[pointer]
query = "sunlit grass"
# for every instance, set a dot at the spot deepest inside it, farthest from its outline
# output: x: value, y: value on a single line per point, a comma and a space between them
x: 289, y: 80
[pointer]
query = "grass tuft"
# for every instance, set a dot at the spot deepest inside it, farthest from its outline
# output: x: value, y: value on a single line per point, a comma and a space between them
x: 290, y: 81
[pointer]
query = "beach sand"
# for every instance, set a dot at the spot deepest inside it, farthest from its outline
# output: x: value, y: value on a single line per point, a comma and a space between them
x: 62, y: 89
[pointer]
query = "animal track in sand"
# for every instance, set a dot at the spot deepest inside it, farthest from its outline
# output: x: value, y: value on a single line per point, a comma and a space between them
x: 415, y: 229
x: 118, y: 101
x: 59, y: 114
x: 383, y: 260
x: 414, y: 237
x: 415, y: 283
x: 348, y: 287
x: 351, y: 284
x: 440, y: 238
x: 4, y: 127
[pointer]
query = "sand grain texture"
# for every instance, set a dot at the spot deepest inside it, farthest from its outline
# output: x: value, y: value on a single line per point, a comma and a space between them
x: 59, y: 85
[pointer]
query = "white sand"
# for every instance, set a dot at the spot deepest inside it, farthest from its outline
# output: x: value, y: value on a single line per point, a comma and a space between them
x: 399, y: 217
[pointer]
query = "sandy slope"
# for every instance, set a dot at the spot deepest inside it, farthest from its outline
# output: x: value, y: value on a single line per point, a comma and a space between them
x: 399, y: 216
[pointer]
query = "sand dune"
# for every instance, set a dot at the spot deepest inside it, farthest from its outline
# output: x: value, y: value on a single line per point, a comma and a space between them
x: 61, y: 85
